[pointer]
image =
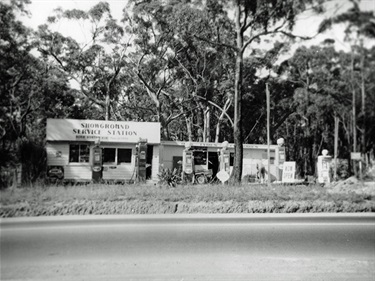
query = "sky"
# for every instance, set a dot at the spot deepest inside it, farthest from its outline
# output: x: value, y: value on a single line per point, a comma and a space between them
x: 306, y: 25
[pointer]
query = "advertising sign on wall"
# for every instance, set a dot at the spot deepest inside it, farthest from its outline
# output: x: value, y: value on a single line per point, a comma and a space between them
x: 104, y: 131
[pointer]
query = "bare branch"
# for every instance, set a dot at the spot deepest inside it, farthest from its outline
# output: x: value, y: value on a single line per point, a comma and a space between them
x: 297, y: 36
x: 244, y: 25
x: 215, y: 105
x: 252, y: 129
x: 260, y: 34
x: 149, y: 90
x: 18, y: 80
x: 187, y: 71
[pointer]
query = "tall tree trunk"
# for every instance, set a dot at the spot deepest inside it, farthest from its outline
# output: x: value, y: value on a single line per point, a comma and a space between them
x: 107, y: 107
x: 237, y: 132
x: 108, y: 94
x: 188, y: 120
x: 188, y: 125
x: 207, y: 124
x: 200, y: 117
x: 347, y: 129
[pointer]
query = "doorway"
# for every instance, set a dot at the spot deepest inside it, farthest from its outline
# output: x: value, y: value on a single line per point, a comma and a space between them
x: 150, y: 151
x: 213, y: 163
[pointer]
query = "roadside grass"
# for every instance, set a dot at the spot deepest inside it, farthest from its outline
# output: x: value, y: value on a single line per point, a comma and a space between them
x: 184, y: 193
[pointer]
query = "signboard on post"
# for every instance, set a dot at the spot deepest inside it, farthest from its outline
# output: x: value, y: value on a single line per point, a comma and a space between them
x: 356, y: 156
x: 289, y: 172
x: 223, y: 176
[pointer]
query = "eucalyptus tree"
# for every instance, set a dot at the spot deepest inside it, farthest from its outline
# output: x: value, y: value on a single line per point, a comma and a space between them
x: 215, y: 24
x: 95, y: 65
x: 360, y: 27
x: 182, y: 75
x: 282, y: 107
x: 323, y: 92
x: 254, y: 20
x: 29, y: 93
x: 320, y: 93
x: 16, y: 71
x: 152, y: 64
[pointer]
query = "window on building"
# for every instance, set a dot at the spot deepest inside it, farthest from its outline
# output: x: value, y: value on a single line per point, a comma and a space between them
x: 124, y: 155
x: 79, y: 153
x: 109, y: 155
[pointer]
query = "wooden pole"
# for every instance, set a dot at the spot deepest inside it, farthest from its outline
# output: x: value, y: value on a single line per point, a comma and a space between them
x: 354, y: 116
x: 363, y: 113
x: 268, y: 136
x: 336, y: 144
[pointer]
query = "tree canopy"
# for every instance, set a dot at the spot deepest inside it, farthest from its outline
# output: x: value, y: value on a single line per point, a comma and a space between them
x: 193, y: 66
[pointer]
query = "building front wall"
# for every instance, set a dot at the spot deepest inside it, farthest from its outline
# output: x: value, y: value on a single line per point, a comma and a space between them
x: 164, y: 155
x: 61, y: 133
x: 254, y: 156
x: 167, y: 154
x: 78, y: 172
x: 58, y: 155
x: 123, y: 171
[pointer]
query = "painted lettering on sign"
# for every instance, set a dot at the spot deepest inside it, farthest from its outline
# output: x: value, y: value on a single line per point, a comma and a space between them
x: 112, y: 131
x: 289, y: 171
x: 86, y: 132
x: 104, y: 126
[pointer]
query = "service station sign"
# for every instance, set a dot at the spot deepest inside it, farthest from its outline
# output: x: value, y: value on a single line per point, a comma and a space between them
x: 103, y: 131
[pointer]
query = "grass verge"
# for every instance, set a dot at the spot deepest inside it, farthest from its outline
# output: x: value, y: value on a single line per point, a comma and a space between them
x: 153, y: 199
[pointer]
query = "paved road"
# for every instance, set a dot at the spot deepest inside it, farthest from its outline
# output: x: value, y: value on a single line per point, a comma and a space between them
x: 196, y: 247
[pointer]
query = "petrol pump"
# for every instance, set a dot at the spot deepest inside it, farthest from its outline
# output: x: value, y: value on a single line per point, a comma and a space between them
x: 141, y: 160
x: 97, y: 163
x: 187, y: 162
x: 281, y: 151
x: 224, y: 158
x: 324, y: 167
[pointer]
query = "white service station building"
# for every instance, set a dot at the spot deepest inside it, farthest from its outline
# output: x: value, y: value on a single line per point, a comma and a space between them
x: 71, y: 146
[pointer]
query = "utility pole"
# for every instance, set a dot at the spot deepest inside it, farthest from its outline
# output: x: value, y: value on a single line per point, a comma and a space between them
x: 363, y: 107
x: 268, y: 136
x: 354, y: 117
x: 336, y: 144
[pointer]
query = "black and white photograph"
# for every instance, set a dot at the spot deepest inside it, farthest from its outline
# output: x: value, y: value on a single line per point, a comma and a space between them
x: 187, y: 140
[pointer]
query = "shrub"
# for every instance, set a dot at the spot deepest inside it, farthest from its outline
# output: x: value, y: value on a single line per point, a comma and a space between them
x: 170, y: 178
